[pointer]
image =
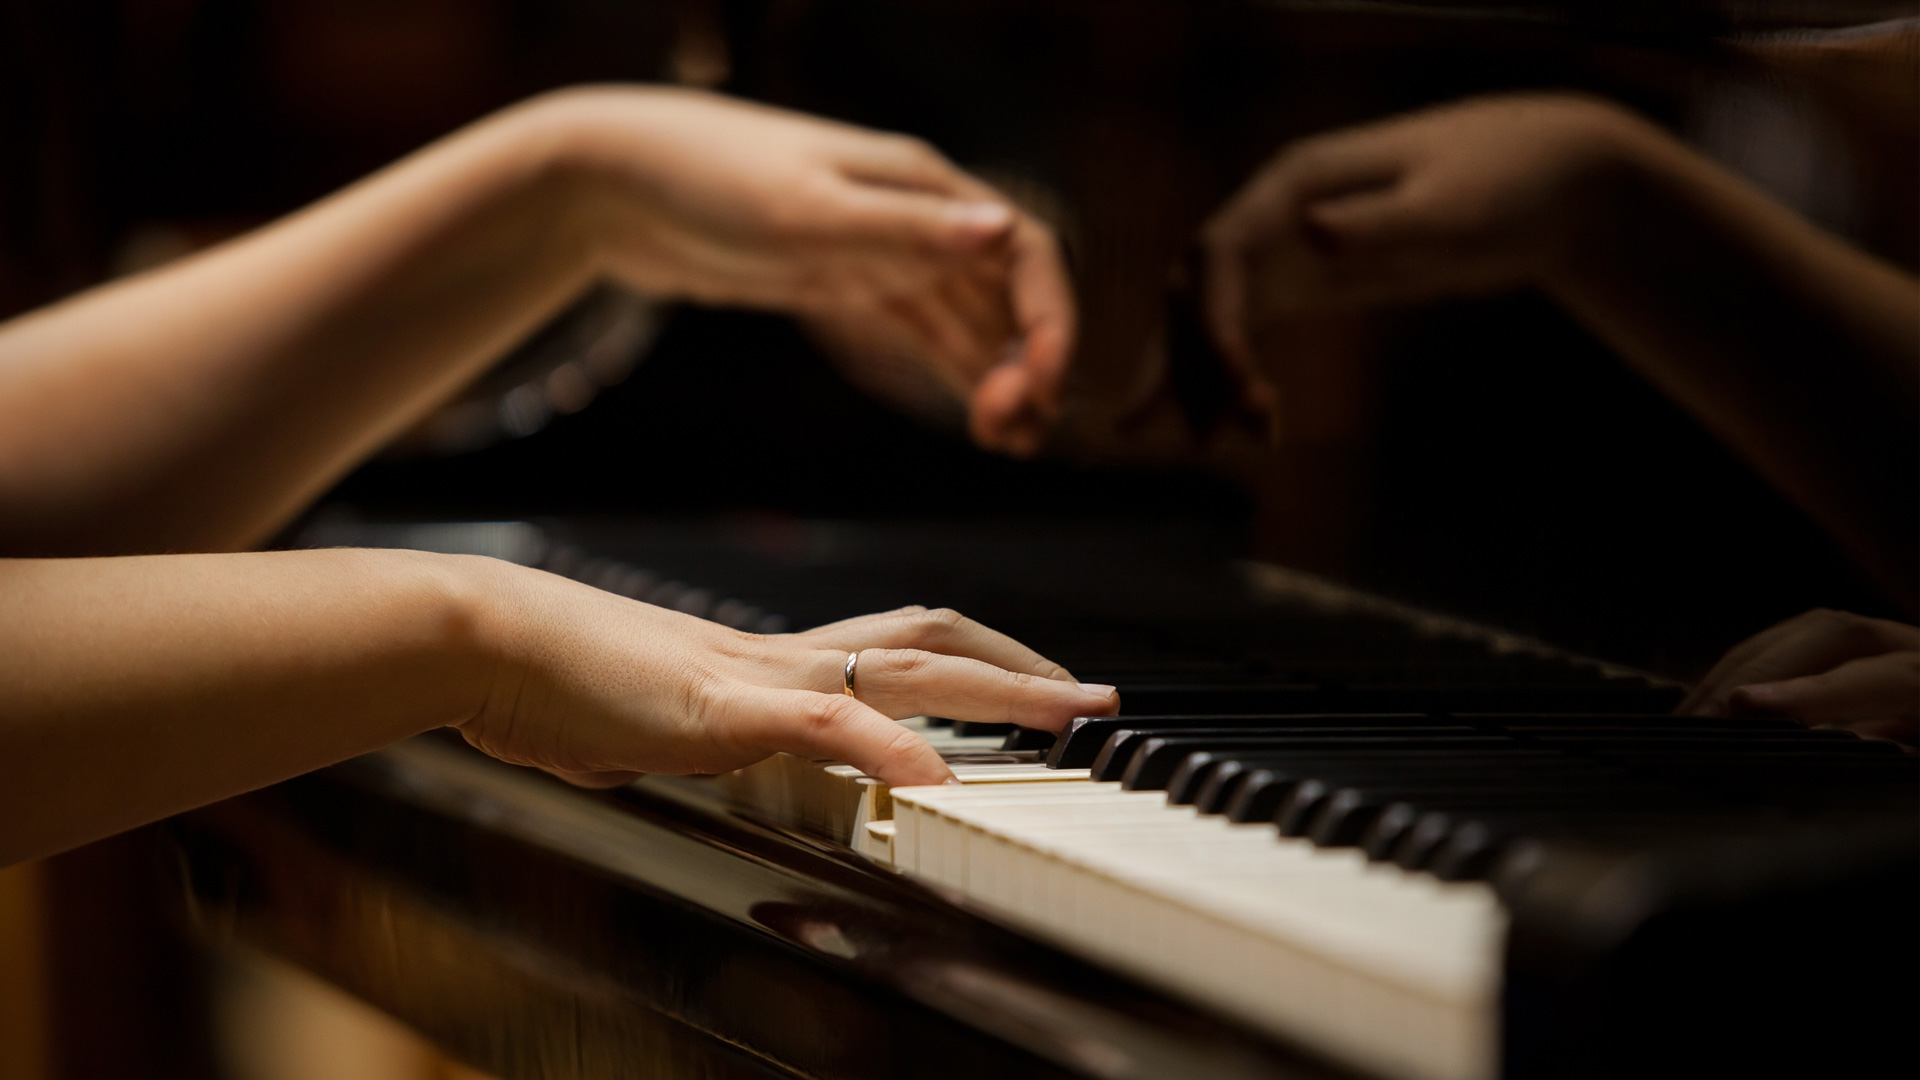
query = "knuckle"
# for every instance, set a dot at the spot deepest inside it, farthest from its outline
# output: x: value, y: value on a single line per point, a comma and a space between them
x: 702, y: 698
x: 1018, y: 703
x: 944, y: 622
x: 903, y: 743
x: 1053, y: 672
x: 809, y: 204
x: 933, y: 627
x: 1023, y: 682
x: 907, y: 664
x: 1859, y: 635
x: 823, y: 715
x: 1303, y: 155
x: 1823, y: 618
x: 915, y: 149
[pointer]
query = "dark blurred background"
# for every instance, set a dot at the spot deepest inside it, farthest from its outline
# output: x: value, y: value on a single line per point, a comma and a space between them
x: 1487, y: 458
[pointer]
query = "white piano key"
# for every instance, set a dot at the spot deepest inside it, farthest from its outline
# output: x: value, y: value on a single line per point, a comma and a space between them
x: 1393, y: 972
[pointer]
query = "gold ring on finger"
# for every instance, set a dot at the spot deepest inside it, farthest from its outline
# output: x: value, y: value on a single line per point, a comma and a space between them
x: 853, y: 658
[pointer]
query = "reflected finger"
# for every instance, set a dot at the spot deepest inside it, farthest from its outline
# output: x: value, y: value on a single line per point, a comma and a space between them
x: 1877, y: 688
x: 1713, y: 687
x: 1817, y: 642
x: 1043, y: 311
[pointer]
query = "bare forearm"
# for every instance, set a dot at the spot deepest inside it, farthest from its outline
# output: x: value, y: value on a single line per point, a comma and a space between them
x: 1799, y: 352
x: 138, y: 687
x: 198, y: 407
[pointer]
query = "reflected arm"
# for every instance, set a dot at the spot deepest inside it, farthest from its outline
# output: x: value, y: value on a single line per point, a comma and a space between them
x: 1795, y: 349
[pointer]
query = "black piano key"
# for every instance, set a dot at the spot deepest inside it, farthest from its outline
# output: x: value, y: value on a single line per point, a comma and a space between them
x: 1383, y: 833
x: 1432, y: 828
x: 1085, y: 736
x: 1024, y: 738
x: 1263, y: 789
x: 1203, y: 777
x: 1222, y: 782
x: 1342, y: 818
x: 1474, y: 848
x: 1219, y: 780
x: 1431, y: 831
x: 1470, y: 852
x: 1196, y: 773
x: 1145, y: 761
x: 1321, y: 803
x: 976, y: 728
x: 1122, y: 746
x: 1637, y: 721
x: 1310, y: 697
x: 1679, y: 742
x: 1505, y: 778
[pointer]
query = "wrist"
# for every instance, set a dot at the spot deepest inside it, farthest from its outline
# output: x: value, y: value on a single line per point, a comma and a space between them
x: 1623, y: 162
x: 597, y: 162
x: 479, y: 607
x: 546, y: 174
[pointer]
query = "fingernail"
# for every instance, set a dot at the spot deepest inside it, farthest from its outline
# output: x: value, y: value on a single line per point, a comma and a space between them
x: 1097, y: 689
x: 984, y: 215
x: 951, y: 781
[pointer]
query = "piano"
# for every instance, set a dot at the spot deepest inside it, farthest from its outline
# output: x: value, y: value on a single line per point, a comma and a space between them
x: 1327, y: 836
x: 1330, y: 835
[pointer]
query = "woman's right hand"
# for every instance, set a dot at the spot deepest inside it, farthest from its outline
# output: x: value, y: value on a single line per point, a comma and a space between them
x: 598, y: 688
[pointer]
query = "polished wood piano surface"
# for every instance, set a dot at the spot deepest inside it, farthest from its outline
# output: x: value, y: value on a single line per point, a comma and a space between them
x: 1212, y: 885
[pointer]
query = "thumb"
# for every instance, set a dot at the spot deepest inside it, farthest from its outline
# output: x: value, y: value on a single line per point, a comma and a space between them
x: 843, y: 729
x: 1002, y: 415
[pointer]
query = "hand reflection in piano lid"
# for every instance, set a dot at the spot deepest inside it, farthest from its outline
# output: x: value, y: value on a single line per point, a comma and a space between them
x: 197, y: 407
x: 1822, y: 667
x: 1787, y: 343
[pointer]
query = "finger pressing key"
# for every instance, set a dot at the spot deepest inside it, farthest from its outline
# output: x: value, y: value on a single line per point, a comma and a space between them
x: 838, y: 728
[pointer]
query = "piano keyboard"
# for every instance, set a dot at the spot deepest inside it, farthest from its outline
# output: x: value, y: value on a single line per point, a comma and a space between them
x: 1323, y: 878
x: 1345, y: 825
